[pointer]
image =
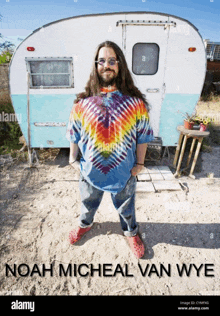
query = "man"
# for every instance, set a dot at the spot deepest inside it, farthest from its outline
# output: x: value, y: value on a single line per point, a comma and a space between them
x: 109, y: 122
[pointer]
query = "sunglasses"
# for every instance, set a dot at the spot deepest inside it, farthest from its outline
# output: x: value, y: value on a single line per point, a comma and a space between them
x: 111, y: 61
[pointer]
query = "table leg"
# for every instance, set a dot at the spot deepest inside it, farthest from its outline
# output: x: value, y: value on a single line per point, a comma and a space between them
x: 177, y: 150
x: 195, y: 157
x: 191, y: 151
x: 181, y: 156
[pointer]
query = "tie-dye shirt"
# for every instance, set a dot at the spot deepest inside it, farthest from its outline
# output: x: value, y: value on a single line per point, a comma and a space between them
x: 107, y: 129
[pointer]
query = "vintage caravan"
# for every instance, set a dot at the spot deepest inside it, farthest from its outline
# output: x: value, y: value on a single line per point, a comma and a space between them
x: 165, y: 54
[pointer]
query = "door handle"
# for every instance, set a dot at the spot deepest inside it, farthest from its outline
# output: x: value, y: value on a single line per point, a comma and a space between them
x: 153, y: 90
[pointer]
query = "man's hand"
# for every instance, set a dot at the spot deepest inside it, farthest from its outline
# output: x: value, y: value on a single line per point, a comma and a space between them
x: 136, y: 169
x: 75, y: 166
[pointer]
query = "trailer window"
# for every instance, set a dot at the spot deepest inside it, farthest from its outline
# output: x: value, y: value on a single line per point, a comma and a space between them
x: 145, y: 58
x: 50, y: 73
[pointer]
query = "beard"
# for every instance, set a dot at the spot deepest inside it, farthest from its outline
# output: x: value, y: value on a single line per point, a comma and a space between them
x: 107, y: 80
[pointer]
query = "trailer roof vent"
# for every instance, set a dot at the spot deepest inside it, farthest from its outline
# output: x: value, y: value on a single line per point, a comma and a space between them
x: 144, y: 22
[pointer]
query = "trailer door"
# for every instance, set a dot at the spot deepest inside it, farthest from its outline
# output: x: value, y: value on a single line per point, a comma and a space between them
x: 145, y: 44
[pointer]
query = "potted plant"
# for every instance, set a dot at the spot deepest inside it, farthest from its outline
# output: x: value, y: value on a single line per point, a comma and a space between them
x: 189, y: 120
x: 203, y: 122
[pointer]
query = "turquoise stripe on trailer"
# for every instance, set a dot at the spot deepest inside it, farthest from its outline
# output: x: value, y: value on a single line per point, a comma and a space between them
x: 171, y: 116
x: 49, y: 115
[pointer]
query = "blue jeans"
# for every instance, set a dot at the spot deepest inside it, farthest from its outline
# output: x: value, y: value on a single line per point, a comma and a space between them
x: 124, y: 202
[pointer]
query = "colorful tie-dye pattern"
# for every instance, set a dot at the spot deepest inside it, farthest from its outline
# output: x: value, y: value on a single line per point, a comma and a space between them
x: 107, y: 129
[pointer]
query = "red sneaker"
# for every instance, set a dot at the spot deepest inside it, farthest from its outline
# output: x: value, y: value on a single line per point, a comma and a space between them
x: 136, y: 245
x: 76, y: 234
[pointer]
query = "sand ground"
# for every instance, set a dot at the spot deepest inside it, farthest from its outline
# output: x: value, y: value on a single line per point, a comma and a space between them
x: 38, y: 208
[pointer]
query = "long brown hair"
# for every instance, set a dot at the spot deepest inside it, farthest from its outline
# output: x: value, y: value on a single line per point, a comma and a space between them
x: 124, y: 81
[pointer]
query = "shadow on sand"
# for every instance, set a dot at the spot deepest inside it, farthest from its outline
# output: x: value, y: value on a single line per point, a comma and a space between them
x: 186, y: 235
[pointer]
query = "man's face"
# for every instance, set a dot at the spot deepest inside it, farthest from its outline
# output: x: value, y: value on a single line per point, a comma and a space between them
x: 106, y: 72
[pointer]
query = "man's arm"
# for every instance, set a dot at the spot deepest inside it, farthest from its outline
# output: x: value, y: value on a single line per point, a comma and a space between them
x: 74, y: 150
x: 141, y: 152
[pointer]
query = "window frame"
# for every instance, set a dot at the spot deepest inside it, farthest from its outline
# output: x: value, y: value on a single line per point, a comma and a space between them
x: 70, y: 68
x: 137, y: 74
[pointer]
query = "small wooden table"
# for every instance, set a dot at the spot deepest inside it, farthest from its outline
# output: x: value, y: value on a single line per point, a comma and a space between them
x: 187, y: 133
